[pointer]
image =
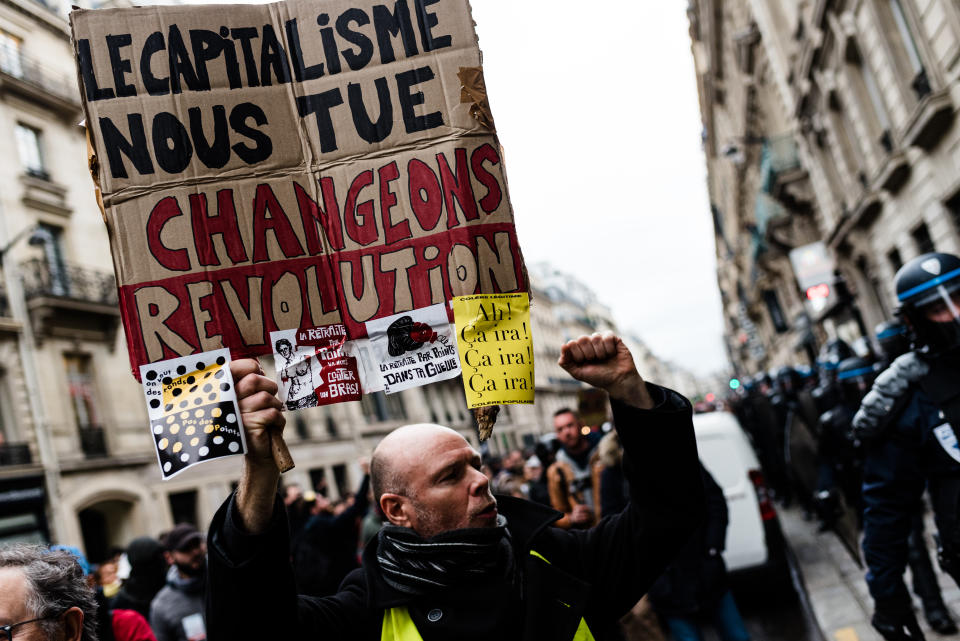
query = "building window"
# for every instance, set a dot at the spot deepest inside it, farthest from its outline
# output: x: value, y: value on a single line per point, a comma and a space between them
x: 775, y: 311
x: 83, y: 398
x: 896, y: 262
x: 340, y: 478
x: 953, y: 207
x: 31, y: 152
x: 921, y: 237
x: 906, y: 54
x: 300, y: 424
x: 10, y: 61
x: 183, y: 506
x: 864, y: 84
x: 53, y: 254
x: 383, y: 407
x: 318, y: 480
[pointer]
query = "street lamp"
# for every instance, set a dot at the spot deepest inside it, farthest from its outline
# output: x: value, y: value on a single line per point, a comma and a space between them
x: 39, y: 237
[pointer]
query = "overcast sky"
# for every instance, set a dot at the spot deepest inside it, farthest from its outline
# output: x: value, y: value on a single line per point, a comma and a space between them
x: 596, y: 108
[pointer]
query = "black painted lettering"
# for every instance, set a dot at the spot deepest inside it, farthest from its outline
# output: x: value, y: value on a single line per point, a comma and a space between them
x: 181, y: 68
x: 118, y: 146
x: 300, y: 70
x: 244, y: 35
x: 171, y: 143
x: 366, y: 128
x: 389, y: 25
x: 263, y: 146
x: 90, y: 86
x: 427, y: 22
x: 320, y: 104
x: 272, y: 56
x: 154, y: 86
x: 360, y: 58
x: 213, y: 155
x: 120, y: 65
x: 410, y: 99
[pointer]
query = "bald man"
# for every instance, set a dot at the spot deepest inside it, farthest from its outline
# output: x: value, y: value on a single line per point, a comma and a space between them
x: 454, y: 562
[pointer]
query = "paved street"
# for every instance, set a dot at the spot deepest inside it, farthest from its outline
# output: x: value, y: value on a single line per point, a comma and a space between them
x: 835, y: 589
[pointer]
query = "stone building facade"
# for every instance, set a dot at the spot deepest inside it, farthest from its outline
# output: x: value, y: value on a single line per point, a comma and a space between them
x: 828, y: 121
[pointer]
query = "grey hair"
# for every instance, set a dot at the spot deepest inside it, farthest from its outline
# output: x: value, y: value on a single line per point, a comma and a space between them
x: 55, y: 583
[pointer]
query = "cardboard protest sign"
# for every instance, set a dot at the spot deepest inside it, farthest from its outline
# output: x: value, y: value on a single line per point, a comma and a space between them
x: 192, y: 405
x: 414, y: 348
x: 296, y: 165
x: 496, y: 348
x: 312, y: 368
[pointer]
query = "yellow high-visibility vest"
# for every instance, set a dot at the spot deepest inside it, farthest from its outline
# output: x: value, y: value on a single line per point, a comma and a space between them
x: 398, y: 626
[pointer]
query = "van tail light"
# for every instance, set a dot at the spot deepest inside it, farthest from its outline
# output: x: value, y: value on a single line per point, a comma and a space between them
x: 767, y: 511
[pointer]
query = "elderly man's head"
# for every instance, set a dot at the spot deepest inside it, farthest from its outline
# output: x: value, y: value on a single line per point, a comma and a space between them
x: 44, y: 595
x: 427, y: 477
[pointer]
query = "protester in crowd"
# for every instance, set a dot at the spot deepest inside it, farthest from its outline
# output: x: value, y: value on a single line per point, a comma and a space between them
x: 695, y: 587
x: 569, y: 479
x: 176, y: 613
x: 45, y: 596
x: 453, y: 561
x: 120, y: 624
x: 148, y: 574
x: 510, y: 473
x: 106, y: 575
x: 535, y: 481
x: 327, y: 548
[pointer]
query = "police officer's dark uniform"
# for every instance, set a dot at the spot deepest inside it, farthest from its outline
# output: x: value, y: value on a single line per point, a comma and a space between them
x: 908, y: 420
x: 840, y: 458
x: 894, y: 341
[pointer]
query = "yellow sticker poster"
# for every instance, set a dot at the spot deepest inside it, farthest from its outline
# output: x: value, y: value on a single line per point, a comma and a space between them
x: 496, y: 348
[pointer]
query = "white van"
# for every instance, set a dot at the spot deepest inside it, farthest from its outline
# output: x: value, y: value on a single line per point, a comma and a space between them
x: 754, y: 539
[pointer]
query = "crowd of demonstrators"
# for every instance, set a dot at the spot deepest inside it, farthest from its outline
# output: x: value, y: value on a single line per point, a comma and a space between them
x: 326, y: 535
x: 884, y: 420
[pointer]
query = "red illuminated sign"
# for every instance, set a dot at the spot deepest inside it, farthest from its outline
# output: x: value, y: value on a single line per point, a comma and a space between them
x: 818, y: 291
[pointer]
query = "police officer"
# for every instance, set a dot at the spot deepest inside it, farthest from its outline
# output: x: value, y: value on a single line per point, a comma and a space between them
x: 894, y: 341
x: 840, y: 464
x: 908, y: 420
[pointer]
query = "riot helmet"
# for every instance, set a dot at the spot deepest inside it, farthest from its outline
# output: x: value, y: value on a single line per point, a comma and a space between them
x: 928, y: 289
x: 788, y: 380
x: 893, y: 339
x: 855, y: 376
x: 832, y: 354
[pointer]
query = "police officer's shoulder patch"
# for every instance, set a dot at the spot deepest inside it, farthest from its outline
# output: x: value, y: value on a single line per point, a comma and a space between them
x: 948, y: 440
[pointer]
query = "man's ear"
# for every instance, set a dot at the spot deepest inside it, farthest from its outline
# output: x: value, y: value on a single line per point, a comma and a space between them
x: 395, y: 507
x: 73, y: 624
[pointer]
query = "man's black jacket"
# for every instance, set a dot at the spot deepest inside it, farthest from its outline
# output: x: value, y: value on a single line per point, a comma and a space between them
x: 597, y: 574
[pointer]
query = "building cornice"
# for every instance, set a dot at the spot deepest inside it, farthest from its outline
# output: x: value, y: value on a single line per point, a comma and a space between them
x: 46, y: 17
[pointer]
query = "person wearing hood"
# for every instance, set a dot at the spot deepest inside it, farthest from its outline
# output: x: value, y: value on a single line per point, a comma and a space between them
x: 148, y: 574
x: 176, y: 613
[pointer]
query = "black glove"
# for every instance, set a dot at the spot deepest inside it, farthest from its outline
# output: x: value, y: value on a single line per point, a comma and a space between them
x: 895, y: 621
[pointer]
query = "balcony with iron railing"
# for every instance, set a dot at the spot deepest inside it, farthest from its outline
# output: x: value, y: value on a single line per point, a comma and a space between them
x: 70, y: 300
x: 29, y: 78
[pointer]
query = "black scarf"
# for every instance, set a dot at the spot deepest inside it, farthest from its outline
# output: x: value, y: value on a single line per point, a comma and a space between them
x: 415, y: 565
